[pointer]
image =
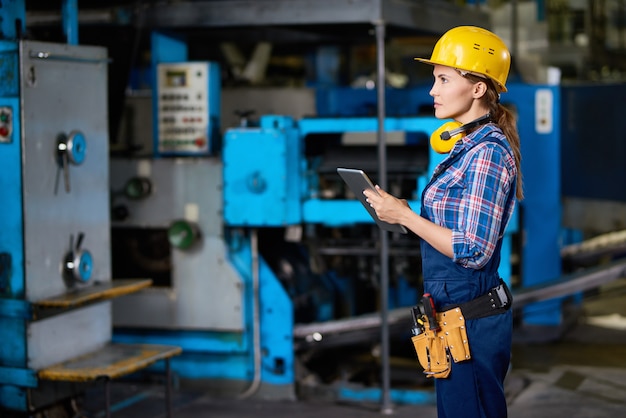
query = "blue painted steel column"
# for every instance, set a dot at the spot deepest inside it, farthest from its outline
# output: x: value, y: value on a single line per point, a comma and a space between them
x: 14, y: 377
x: 69, y: 11
x: 541, y: 207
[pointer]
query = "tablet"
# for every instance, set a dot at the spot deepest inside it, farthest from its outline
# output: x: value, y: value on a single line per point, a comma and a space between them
x: 358, y: 181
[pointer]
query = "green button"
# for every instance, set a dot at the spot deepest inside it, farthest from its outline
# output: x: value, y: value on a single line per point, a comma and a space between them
x: 182, y: 234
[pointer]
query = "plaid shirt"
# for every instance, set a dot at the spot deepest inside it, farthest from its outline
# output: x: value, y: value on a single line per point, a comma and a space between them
x: 470, y: 196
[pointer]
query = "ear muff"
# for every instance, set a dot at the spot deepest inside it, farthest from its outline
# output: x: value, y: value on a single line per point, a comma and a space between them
x: 444, y: 138
x: 442, y: 141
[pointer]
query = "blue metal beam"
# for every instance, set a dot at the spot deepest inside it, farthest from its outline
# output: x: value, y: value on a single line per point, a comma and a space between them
x: 18, y: 377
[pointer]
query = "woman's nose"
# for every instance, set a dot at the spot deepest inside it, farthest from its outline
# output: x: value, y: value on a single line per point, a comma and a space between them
x: 432, y: 91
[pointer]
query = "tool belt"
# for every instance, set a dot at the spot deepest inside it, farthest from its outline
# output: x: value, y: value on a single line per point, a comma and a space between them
x: 437, y: 346
x: 435, y: 349
x: 498, y: 300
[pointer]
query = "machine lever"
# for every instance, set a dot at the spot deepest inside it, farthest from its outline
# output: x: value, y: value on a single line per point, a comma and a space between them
x: 66, y: 172
x: 79, y: 240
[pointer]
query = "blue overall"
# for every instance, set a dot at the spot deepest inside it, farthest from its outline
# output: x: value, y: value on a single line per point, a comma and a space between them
x: 474, y: 388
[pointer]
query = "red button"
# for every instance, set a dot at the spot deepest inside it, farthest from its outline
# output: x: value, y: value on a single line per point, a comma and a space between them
x: 4, y: 131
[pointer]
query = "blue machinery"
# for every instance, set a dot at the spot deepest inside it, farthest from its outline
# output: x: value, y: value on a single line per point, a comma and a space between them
x: 55, y: 223
x: 274, y: 186
x: 253, y: 246
x: 55, y: 253
x: 278, y: 189
x: 195, y: 221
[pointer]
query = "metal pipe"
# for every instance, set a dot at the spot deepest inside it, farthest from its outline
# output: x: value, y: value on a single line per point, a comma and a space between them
x: 70, y: 21
x: 586, y: 279
x: 168, y: 388
x: 589, y: 278
x: 514, y: 29
x: 386, y: 407
x: 256, y: 381
x: 107, y: 397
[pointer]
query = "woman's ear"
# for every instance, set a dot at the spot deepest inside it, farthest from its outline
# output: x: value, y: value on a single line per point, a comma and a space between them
x: 480, y: 88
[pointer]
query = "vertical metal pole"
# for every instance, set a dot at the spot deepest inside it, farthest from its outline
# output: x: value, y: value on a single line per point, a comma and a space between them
x: 256, y: 316
x: 107, y: 397
x: 168, y: 387
x: 386, y: 407
x: 69, y: 11
x: 514, y: 29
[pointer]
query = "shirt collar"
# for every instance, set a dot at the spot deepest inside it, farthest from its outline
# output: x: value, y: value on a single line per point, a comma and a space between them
x: 468, y: 141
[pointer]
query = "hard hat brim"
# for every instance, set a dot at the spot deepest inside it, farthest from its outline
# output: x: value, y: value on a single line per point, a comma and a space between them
x: 424, y: 60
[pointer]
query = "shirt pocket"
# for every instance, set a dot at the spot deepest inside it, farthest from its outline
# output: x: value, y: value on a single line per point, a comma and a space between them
x: 447, y: 192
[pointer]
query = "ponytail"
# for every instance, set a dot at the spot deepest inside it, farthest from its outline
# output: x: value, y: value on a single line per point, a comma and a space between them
x: 508, y: 123
x: 506, y: 120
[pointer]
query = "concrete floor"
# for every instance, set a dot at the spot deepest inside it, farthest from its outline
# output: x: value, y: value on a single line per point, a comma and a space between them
x: 581, y: 375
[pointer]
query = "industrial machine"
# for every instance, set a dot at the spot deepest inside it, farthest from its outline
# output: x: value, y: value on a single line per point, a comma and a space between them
x: 307, y: 239
x: 55, y: 226
x: 55, y: 252
x: 56, y: 218
x: 167, y: 224
x: 84, y: 229
x: 258, y: 256
x: 256, y: 237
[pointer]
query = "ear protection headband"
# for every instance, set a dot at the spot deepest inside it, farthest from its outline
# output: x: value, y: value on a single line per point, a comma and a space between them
x: 444, y: 138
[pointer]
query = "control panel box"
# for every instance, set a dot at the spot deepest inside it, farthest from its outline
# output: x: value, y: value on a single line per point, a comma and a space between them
x: 187, y: 109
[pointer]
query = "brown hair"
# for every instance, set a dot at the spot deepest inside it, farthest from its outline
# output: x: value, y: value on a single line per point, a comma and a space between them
x: 506, y: 119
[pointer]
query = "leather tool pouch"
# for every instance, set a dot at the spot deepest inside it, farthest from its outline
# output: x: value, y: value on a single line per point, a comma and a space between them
x: 436, y: 350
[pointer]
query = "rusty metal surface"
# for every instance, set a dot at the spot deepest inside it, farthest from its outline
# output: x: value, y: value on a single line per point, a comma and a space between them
x: 110, y: 362
x: 97, y: 292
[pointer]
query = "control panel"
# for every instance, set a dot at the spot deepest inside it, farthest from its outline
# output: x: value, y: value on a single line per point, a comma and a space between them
x: 544, y: 106
x: 6, y: 124
x: 187, y: 108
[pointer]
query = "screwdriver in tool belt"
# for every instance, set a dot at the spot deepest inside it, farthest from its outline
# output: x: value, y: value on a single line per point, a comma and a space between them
x: 430, y: 312
x: 418, y: 324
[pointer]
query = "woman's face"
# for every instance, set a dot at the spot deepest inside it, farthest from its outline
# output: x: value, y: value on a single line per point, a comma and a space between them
x: 453, y: 94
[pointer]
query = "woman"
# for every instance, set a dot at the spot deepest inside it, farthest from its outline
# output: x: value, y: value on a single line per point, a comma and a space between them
x: 465, y: 210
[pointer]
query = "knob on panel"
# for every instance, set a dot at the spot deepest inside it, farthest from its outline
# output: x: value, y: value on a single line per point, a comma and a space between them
x: 78, y: 263
x: 70, y: 149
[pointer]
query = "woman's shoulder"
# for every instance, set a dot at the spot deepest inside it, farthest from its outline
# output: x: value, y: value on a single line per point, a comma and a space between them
x: 490, y: 136
x: 491, y: 145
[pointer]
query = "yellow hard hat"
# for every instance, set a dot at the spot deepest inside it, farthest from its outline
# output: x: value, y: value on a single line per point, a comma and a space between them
x: 475, y: 50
